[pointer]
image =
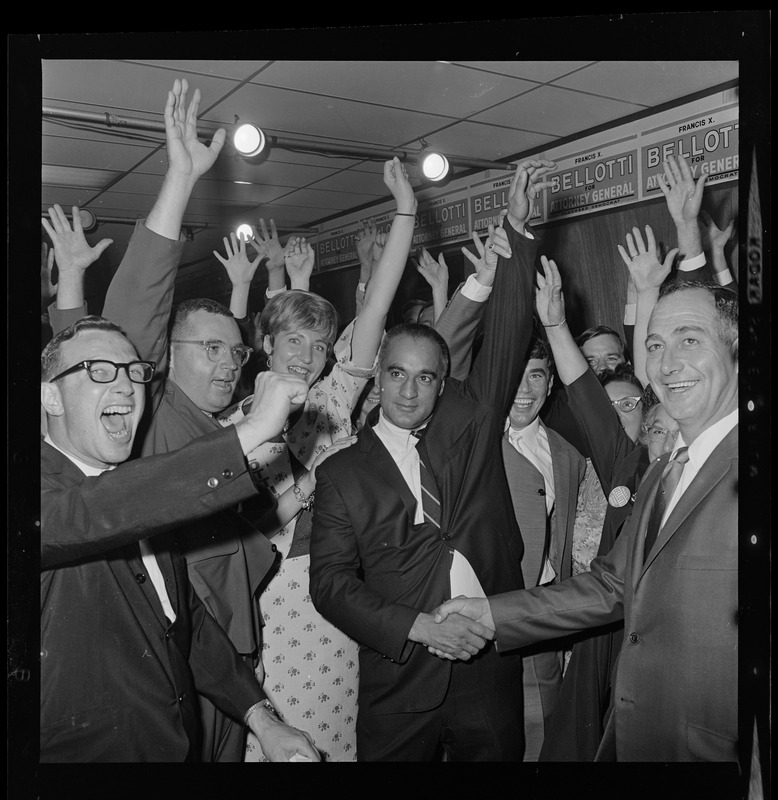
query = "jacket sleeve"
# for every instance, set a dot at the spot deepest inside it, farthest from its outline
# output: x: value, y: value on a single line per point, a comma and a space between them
x: 507, y: 326
x: 140, y: 297
x: 337, y: 590
x: 141, y: 497
x: 458, y: 325
x: 584, y: 601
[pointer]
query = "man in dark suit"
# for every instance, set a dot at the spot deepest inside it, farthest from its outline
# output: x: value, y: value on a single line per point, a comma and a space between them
x: 380, y: 557
x: 544, y: 472
x: 125, y: 641
x: 672, y: 573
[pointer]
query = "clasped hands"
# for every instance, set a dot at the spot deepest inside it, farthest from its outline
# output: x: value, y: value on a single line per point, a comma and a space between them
x: 457, y: 629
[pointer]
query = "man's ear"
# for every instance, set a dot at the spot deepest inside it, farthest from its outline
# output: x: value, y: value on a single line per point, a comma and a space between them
x: 442, y: 386
x: 51, y: 399
x: 550, y: 384
x: 734, y: 347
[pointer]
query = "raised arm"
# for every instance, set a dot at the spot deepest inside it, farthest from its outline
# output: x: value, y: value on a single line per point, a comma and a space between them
x: 270, y: 250
x: 604, y: 439
x: 240, y: 270
x: 714, y: 240
x: 508, y: 317
x: 140, y: 296
x: 436, y: 275
x: 460, y: 318
x: 369, y: 325
x: 299, y: 259
x: 73, y: 256
x: 647, y: 273
x: 365, y: 240
x: 684, y: 198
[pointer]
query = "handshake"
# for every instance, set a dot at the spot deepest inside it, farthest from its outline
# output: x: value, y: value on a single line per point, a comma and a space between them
x: 456, y: 629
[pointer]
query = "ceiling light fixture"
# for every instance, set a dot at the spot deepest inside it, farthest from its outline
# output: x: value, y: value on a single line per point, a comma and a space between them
x: 434, y: 166
x: 249, y: 140
x: 245, y: 231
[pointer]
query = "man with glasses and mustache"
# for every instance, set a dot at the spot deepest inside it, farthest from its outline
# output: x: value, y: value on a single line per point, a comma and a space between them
x: 125, y: 642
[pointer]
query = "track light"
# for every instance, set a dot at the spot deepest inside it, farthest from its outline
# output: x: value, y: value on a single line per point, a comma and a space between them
x: 434, y: 166
x: 249, y: 140
x: 88, y: 220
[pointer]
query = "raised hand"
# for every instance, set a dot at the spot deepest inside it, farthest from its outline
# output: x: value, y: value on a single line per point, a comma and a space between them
x: 527, y: 184
x: 713, y: 237
x: 268, y: 245
x: 188, y: 156
x: 549, y: 300
x: 682, y: 194
x: 434, y: 272
x: 642, y: 260
x: 378, y: 246
x: 71, y: 249
x: 48, y: 288
x: 299, y: 258
x: 496, y: 244
x: 240, y: 268
x: 396, y: 180
x: 365, y: 239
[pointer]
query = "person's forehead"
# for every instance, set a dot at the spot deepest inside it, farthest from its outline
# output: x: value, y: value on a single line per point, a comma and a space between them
x: 205, y: 325
x: 690, y: 308
x: 618, y: 389
x: 537, y: 364
x: 305, y: 333
x: 603, y: 343
x: 421, y: 354
x: 94, y: 344
x: 661, y: 417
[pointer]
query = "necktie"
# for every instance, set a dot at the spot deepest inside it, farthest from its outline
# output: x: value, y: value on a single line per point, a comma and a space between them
x: 430, y: 498
x: 667, y: 485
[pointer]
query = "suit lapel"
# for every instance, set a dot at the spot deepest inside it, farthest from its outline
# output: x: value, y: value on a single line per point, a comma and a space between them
x: 710, y: 475
x: 381, y: 464
x: 560, y: 464
x: 648, y: 489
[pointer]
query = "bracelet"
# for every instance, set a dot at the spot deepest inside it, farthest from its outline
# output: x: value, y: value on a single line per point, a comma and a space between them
x: 266, y: 703
x: 305, y: 502
x: 555, y: 325
x: 403, y: 214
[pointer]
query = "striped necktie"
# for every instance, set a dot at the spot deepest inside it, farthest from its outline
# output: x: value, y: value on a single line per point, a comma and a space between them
x: 430, y: 497
x: 667, y: 486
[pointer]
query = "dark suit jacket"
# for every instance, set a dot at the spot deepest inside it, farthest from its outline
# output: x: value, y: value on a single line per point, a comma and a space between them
x: 372, y: 570
x: 675, y: 686
x: 118, y: 681
x: 227, y: 556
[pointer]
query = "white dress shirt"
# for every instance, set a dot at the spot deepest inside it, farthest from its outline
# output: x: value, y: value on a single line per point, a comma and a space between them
x: 699, y: 450
x: 149, y: 559
x: 401, y: 444
x: 532, y: 442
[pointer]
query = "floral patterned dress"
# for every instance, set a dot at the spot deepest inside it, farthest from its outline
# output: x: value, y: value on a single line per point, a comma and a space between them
x: 589, y: 518
x: 311, y: 669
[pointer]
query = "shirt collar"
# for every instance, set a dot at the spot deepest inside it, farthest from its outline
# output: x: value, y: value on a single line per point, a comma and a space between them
x: 87, y: 469
x: 708, y: 440
x: 528, y: 434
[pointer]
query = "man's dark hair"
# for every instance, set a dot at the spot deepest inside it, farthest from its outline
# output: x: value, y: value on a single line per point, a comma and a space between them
x: 622, y: 373
x: 186, y: 308
x: 540, y: 348
x: 601, y: 330
x: 415, y: 331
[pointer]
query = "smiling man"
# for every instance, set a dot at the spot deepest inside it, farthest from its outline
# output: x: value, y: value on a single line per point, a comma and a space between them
x: 419, y: 509
x: 125, y: 643
x: 672, y: 575
x: 544, y: 472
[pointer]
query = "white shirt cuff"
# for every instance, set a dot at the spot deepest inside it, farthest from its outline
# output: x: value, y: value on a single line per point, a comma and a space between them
x: 724, y: 277
x: 695, y: 262
x: 274, y: 292
x: 630, y: 313
x: 361, y: 287
x: 473, y: 290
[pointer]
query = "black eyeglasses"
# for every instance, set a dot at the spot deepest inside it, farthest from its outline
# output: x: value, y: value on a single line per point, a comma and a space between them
x: 216, y: 350
x: 626, y: 403
x: 106, y: 371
